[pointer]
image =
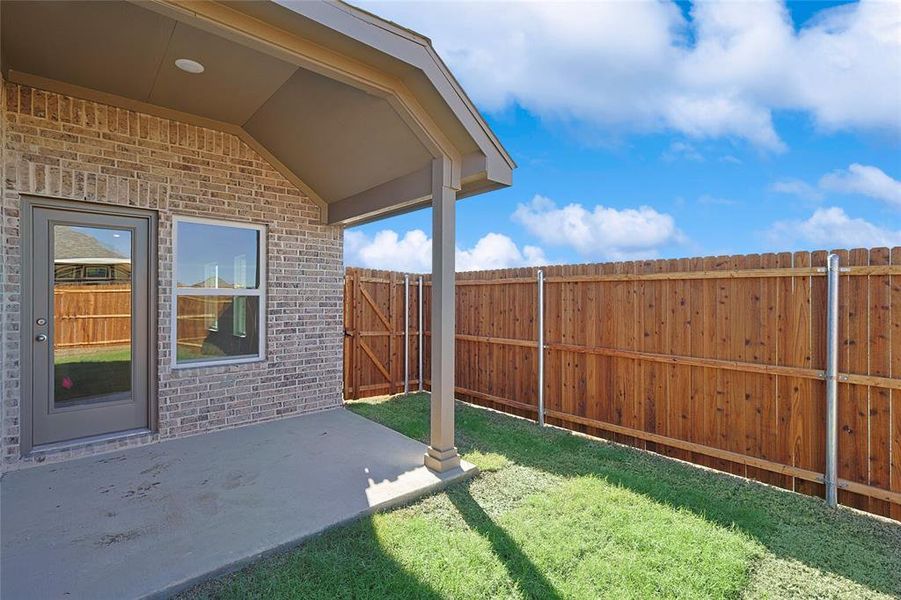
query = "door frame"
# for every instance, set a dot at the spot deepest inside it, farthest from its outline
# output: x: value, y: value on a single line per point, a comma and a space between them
x: 27, y: 205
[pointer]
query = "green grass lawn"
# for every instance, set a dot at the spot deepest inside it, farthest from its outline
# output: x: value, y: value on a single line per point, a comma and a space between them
x: 555, y: 515
x: 84, y: 372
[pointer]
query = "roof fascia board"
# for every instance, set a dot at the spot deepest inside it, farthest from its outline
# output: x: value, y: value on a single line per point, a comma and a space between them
x: 381, y: 201
x: 434, y: 67
x: 467, y: 190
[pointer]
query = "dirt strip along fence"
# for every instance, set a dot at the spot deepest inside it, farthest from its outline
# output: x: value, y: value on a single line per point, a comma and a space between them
x: 718, y: 361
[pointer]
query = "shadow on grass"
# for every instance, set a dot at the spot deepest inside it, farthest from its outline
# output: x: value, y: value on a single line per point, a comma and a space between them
x: 518, y: 566
x: 347, y: 562
x: 859, y: 548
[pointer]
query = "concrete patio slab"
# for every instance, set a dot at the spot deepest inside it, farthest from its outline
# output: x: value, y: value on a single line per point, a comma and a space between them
x: 150, y: 521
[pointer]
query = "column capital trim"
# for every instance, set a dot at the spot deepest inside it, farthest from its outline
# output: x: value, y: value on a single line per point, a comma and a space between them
x: 446, y: 173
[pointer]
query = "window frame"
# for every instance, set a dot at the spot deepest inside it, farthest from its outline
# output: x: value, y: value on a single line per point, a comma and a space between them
x: 260, y: 292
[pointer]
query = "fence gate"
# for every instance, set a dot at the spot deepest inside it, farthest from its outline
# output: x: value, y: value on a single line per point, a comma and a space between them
x: 374, y: 333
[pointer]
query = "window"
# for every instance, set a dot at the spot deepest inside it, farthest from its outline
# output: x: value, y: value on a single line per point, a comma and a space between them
x: 219, y: 294
x: 66, y: 272
x: 96, y: 272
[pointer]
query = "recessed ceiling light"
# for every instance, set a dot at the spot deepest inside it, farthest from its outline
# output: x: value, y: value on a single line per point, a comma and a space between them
x: 189, y: 66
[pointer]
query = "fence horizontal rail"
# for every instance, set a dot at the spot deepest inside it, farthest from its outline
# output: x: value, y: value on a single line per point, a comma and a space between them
x: 123, y: 316
x: 731, y: 365
x: 351, y: 332
x: 760, y: 463
x: 487, y: 339
x: 92, y: 290
x: 690, y: 361
x: 690, y: 275
x: 108, y: 342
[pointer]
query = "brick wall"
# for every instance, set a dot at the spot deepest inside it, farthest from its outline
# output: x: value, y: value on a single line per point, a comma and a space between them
x: 64, y: 147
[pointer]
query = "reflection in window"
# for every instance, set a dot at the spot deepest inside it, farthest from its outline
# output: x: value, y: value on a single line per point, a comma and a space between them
x: 237, y: 336
x: 239, y: 318
x: 219, y: 292
x: 239, y: 326
x: 217, y: 256
x: 92, y: 309
x: 96, y: 272
x: 211, y: 280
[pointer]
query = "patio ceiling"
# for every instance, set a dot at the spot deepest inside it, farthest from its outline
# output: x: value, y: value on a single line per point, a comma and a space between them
x: 350, y: 108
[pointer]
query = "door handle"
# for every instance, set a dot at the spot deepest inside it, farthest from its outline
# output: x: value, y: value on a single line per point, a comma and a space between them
x: 41, y: 337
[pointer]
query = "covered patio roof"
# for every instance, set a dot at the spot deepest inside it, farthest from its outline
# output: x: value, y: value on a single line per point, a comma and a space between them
x: 358, y: 112
x: 351, y: 108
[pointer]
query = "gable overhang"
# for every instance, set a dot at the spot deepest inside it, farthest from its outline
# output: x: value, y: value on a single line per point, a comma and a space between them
x: 352, y: 109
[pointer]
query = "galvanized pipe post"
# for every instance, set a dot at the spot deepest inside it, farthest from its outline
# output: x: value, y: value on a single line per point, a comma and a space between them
x: 406, y: 334
x: 541, y: 347
x: 420, y: 335
x: 831, y: 475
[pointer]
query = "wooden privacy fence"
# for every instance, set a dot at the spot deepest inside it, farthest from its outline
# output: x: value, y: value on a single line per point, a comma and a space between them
x: 91, y: 315
x: 719, y: 361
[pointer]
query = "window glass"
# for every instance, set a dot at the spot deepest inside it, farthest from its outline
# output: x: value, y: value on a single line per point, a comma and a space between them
x: 92, y: 315
x: 217, y: 327
x: 217, y: 256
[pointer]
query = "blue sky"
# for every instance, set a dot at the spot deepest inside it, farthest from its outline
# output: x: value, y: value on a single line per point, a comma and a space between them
x: 667, y: 130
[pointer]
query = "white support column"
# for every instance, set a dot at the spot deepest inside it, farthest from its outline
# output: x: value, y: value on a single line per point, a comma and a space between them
x: 442, y: 454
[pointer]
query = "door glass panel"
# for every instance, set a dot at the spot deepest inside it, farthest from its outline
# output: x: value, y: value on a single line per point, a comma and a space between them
x: 92, y: 314
x: 217, y: 327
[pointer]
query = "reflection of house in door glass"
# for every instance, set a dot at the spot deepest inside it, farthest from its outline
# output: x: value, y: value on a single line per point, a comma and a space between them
x: 80, y: 257
x: 91, y: 314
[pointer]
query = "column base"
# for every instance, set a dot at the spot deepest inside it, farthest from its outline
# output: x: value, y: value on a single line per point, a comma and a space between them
x: 442, y: 460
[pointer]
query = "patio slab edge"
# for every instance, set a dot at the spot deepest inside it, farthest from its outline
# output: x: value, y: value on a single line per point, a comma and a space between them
x: 465, y: 472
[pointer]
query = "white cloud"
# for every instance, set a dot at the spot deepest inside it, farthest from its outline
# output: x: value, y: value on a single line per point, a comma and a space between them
x: 643, y: 67
x: 413, y: 252
x: 857, y: 179
x: 797, y: 187
x: 830, y: 228
x: 866, y: 181
x: 497, y: 251
x: 387, y: 250
x: 682, y: 150
x: 599, y: 233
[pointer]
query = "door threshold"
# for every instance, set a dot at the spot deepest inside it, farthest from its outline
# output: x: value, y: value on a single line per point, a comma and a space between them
x: 86, y: 441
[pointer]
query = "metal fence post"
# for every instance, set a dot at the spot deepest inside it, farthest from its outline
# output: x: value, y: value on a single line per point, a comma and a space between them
x: 406, y: 333
x: 420, y: 335
x: 831, y: 475
x: 541, y: 347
